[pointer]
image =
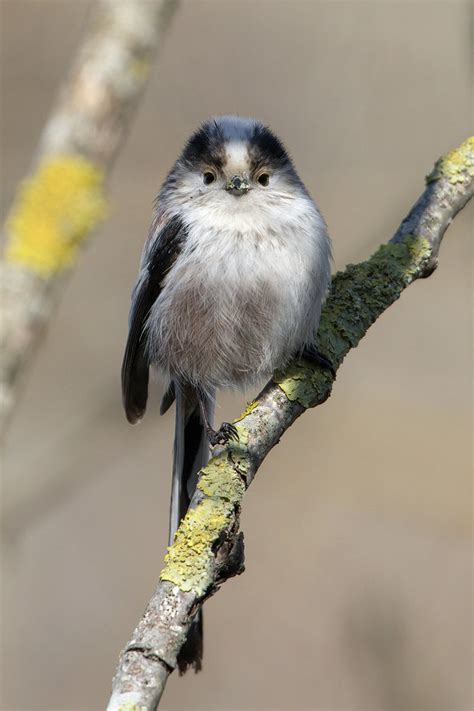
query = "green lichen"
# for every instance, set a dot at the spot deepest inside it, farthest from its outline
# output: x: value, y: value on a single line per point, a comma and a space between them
x: 363, y: 291
x: 131, y: 706
x: 457, y: 166
x: 357, y: 297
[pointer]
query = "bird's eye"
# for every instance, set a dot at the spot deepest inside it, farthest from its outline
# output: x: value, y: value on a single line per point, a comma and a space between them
x: 263, y: 179
x: 208, y: 176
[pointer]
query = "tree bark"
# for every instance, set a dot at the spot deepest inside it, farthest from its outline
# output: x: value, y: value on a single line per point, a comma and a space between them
x: 63, y: 200
x: 208, y: 547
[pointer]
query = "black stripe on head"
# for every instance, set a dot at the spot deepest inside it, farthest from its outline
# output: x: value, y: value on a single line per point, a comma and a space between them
x: 267, y: 150
x: 205, y: 147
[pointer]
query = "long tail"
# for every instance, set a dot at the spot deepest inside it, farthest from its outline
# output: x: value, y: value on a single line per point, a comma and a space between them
x: 191, y: 453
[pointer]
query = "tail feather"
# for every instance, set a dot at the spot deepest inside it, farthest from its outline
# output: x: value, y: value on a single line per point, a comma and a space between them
x: 191, y: 453
x: 190, y: 654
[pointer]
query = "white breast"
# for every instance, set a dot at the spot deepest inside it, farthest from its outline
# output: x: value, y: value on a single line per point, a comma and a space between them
x: 245, y: 293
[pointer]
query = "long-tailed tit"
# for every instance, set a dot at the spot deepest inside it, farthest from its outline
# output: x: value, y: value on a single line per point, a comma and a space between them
x: 232, y: 278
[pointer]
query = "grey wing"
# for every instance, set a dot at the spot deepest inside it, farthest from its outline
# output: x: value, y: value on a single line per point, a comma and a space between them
x: 162, y: 248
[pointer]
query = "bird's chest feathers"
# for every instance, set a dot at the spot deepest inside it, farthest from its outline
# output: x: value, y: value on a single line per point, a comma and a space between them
x: 238, y: 294
x: 231, y: 244
x: 238, y: 265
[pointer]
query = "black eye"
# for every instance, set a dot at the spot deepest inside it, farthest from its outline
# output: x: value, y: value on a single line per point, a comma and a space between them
x: 208, y: 177
x: 263, y: 179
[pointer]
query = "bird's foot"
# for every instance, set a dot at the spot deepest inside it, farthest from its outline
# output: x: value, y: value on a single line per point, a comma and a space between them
x: 317, y: 358
x: 226, y: 432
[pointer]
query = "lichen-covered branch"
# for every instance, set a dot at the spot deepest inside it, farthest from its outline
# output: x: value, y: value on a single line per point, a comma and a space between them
x: 208, y: 547
x: 62, y: 201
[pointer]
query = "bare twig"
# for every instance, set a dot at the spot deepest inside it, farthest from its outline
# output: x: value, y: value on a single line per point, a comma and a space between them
x: 62, y: 200
x: 208, y: 548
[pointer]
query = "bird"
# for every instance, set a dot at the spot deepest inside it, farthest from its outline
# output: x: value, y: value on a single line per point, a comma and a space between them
x: 232, y: 279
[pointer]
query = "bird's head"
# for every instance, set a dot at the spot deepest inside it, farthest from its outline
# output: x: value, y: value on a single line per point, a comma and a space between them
x: 235, y: 164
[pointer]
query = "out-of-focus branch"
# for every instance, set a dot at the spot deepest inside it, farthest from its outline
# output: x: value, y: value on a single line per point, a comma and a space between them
x: 62, y: 200
x: 208, y: 548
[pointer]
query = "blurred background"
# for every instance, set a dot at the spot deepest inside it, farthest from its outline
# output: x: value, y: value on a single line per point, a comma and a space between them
x: 357, y: 592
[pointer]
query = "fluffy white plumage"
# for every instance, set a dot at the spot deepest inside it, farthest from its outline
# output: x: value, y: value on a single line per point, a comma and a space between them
x: 231, y: 283
x: 245, y: 293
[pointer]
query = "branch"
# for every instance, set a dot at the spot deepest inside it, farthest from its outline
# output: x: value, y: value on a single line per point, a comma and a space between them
x: 62, y: 201
x: 208, y: 548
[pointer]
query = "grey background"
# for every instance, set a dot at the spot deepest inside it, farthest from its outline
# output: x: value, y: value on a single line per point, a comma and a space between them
x: 358, y: 587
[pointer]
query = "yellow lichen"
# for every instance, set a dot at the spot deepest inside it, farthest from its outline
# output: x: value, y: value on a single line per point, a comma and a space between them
x: 54, y: 212
x: 188, y: 563
x: 302, y: 383
x: 219, y: 480
x: 250, y: 407
x: 457, y: 166
x: 241, y: 459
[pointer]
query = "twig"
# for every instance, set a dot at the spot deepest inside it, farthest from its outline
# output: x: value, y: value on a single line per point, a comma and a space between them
x: 208, y: 548
x: 63, y: 201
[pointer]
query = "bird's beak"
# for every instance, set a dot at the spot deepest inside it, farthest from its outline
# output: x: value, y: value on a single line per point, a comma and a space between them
x: 238, y: 185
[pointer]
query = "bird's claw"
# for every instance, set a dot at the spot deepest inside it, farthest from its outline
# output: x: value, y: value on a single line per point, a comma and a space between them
x: 226, y: 432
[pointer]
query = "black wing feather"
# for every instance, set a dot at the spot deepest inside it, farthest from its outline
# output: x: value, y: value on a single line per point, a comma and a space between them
x: 160, y: 254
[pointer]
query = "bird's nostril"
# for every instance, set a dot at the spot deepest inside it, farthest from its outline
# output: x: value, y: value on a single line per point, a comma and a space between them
x: 237, y: 182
